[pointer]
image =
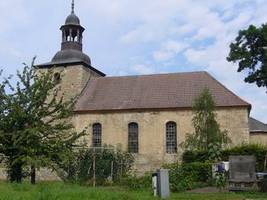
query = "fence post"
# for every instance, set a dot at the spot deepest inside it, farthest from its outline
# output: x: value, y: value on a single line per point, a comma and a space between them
x: 111, y: 170
x: 94, y: 177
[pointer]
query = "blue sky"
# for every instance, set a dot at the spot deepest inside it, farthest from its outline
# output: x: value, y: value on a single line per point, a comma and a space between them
x: 125, y: 37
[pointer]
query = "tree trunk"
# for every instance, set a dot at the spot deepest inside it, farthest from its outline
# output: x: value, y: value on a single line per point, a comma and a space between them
x: 15, y: 173
x: 33, y: 175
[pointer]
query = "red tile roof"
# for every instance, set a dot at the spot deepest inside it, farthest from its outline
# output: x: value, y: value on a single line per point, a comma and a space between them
x: 159, y: 91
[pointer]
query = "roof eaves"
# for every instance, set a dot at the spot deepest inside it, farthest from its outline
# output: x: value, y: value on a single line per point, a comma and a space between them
x: 65, y: 64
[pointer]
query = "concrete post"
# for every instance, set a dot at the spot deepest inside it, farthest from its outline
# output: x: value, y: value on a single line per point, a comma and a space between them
x: 163, y: 183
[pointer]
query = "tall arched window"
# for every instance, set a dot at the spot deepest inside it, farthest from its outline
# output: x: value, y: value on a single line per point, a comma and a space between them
x: 133, y: 138
x: 97, y: 135
x: 171, y: 137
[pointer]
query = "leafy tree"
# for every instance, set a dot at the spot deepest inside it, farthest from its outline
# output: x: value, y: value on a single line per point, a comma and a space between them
x: 250, y: 52
x: 35, y: 126
x: 207, y: 130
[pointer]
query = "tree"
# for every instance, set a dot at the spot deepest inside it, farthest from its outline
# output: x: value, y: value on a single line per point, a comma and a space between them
x: 35, y: 126
x: 250, y: 52
x: 207, y: 131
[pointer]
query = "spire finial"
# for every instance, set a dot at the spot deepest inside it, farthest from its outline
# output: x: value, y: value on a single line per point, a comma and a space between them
x: 72, y: 7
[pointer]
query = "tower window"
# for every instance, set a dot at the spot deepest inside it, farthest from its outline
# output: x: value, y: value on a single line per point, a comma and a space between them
x: 57, y: 77
x: 133, y: 138
x: 171, y: 137
x: 97, y: 135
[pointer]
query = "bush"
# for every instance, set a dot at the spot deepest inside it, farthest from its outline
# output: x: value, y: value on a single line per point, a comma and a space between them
x: 187, y: 176
x: 136, y: 183
x: 109, y: 165
x: 258, y: 151
x: 195, y: 156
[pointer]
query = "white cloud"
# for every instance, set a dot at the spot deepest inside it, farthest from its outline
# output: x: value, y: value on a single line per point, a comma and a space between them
x: 199, y: 30
x: 169, y: 50
x: 143, y: 69
x: 12, y: 14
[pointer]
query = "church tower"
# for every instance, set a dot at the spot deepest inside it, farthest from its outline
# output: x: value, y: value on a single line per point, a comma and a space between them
x: 70, y: 65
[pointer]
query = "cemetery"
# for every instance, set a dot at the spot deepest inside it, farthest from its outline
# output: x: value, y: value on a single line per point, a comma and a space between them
x: 241, y: 176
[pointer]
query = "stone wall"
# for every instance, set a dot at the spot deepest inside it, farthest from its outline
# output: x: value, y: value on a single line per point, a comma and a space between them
x: 258, y: 138
x: 73, y: 79
x: 152, y: 131
x: 42, y: 174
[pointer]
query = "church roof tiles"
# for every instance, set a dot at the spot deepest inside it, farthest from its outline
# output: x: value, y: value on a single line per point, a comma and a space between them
x: 159, y: 91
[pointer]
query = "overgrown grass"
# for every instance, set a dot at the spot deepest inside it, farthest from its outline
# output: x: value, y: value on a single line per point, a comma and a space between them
x: 61, y: 191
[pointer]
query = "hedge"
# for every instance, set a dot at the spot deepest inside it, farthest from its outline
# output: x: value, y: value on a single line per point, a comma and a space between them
x: 259, y: 151
x: 187, y: 176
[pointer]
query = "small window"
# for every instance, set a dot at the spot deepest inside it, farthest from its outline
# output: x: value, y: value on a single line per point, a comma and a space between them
x: 97, y: 135
x: 171, y: 137
x: 133, y: 138
x: 57, y: 77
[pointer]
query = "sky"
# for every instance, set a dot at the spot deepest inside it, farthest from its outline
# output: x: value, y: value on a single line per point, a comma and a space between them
x: 130, y: 37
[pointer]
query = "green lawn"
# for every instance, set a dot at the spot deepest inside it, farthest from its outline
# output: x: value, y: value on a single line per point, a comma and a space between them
x: 60, y: 191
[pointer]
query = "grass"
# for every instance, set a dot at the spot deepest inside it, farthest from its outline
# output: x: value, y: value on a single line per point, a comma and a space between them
x: 61, y: 191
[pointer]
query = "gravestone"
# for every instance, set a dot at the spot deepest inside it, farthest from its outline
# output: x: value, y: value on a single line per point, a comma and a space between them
x: 242, y: 174
x: 163, y: 188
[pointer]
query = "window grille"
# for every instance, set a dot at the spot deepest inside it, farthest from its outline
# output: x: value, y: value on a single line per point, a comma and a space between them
x: 97, y: 135
x: 171, y: 137
x: 133, y: 138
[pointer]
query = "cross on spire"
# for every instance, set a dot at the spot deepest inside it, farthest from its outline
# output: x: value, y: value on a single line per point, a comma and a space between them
x: 72, y: 7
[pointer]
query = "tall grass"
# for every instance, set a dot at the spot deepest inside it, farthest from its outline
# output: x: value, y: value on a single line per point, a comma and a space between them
x: 61, y: 191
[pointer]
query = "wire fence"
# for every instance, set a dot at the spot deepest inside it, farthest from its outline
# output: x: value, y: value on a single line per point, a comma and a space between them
x: 98, y: 165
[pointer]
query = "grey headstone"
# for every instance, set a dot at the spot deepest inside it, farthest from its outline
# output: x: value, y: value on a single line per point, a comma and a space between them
x: 242, y: 173
x: 163, y: 183
x: 242, y: 168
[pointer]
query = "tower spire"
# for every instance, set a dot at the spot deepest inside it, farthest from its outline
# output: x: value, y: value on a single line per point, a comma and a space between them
x: 72, y: 7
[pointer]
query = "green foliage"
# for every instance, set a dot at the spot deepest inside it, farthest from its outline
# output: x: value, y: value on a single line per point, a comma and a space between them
x: 250, y: 52
x: 61, y: 191
x: 186, y: 176
x: 34, y: 122
x: 195, y: 156
x: 258, y: 151
x: 134, y: 182
x: 214, y: 152
x: 207, y: 130
x: 220, y: 180
x: 108, y: 162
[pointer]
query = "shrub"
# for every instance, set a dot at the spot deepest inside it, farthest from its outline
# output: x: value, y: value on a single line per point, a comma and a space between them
x: 134, y: 182
x: 187, y: 176
x: 109, y: 165
x: 258, y: 151
x: 195, y: 156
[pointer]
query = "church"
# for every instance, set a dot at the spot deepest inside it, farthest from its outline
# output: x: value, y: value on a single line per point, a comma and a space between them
x: 147, y: 115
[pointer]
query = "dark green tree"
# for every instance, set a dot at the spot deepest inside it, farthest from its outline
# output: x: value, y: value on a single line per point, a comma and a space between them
x: 250, y: 52
x: 207, y: 130
x: 35, y: 126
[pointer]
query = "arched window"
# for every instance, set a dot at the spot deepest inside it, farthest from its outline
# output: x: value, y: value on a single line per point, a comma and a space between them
x: 57, y: 77
x: 97, y: 135
x: 133, y: 138
x: 171, y: 137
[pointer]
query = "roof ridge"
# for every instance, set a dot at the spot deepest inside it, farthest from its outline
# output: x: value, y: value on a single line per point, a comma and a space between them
x: 158, y: 74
